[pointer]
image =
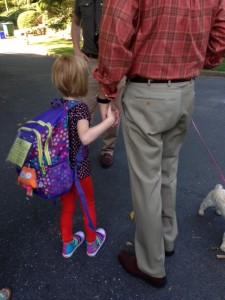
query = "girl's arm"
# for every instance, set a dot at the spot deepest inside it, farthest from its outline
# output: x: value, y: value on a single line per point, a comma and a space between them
x: 88, y: 134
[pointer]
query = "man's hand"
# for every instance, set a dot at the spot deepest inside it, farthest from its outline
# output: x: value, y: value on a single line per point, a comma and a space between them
x: 104, y: 109
x: 81, y: 54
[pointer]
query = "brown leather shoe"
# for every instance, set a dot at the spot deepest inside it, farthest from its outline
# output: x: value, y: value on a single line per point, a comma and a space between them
x: 129, y: 263
x: 106, y: 160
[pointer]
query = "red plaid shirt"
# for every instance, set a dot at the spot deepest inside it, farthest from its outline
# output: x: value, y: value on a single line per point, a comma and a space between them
x: 159, y: 39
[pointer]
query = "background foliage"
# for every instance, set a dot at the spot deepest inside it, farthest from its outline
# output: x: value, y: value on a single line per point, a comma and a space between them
x: 55, y: 13
x: 27, y: 19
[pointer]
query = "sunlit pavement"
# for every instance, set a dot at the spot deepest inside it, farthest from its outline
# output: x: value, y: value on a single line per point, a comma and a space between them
x: 20, y: 44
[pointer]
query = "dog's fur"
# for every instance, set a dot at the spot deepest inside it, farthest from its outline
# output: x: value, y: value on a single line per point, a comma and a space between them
x: 215, y: 198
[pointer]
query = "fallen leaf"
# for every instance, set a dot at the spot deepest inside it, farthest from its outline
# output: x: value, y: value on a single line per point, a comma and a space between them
x: 215, y: 248
x: 129, y: 244
x: 220, y: 256
x: 131, y: 215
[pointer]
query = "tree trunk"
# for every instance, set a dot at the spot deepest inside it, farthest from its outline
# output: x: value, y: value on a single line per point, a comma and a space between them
x: 6, y: 5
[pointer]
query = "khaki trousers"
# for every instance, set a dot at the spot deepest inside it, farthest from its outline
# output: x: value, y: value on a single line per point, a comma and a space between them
x: 109, y: 138
x: 155, y: 120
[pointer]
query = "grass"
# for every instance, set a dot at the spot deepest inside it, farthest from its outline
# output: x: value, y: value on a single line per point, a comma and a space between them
x: 221, y: 67
x: 53, y: 45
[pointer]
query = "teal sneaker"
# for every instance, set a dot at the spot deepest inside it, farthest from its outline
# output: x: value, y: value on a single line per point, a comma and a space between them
x: 69, y: 248
x: 93, y: 248
x: 5, y: 294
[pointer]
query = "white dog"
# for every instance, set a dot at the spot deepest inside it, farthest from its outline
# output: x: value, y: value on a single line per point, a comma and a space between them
x: 215, y: 198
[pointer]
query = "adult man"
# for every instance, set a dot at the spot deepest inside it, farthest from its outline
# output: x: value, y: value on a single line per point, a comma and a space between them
x: 160, y: 46
x: 87, y: 15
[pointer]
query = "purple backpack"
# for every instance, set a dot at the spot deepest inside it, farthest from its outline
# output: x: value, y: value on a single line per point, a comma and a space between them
x: 45, y: 148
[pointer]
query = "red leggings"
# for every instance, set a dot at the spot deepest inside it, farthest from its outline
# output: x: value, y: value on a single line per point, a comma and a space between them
x: 68, y: 201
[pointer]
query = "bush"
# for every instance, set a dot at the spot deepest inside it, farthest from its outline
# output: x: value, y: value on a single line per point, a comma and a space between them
x: 57, y: 26
x: 27, y: 19
x: 4, y: 19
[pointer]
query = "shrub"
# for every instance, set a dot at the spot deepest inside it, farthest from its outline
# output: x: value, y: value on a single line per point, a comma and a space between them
x: 4, y: 19
x: 27, y: 19
x: 57, y: 26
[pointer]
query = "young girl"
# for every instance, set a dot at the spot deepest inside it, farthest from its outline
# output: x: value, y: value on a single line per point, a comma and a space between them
x: 70, y: 77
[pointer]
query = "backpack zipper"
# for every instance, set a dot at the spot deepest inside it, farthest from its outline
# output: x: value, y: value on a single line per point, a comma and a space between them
x: 46, y: 151
x: 46, y: 146
x: 40, y: 153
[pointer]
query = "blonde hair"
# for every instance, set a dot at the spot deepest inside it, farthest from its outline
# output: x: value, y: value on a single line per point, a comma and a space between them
x: 70, y: 75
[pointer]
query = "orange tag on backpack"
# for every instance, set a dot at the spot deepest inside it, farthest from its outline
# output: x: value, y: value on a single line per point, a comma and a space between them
x: 28, y: 177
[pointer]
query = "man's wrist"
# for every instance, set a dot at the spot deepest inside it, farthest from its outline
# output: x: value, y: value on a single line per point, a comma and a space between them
x: 102, y: 101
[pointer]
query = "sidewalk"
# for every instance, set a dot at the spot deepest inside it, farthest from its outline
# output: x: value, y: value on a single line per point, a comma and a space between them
x: 18, y: 45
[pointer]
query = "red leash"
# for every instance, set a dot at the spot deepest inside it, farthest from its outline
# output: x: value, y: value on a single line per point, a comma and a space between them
x: 209, y: 152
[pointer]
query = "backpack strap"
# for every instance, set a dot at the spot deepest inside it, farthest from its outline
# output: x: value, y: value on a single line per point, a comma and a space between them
x: 57, y: 103
x: 82, y: 152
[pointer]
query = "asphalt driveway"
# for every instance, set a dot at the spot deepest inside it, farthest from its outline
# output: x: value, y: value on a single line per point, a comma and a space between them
x: 30, y: 246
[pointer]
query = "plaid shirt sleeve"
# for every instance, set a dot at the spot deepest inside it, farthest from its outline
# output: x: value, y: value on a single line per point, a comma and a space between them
x: 215, y: 50
x: 116, y: 35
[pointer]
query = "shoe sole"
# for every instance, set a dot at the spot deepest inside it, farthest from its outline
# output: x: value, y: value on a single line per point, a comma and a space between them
x: 169, y: 253
x: 106, y: 166
x: 69, y: 255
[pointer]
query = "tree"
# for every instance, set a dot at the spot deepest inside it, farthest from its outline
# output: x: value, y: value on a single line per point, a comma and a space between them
x: 62, y: 9
x: 19, y: 3
x: 6, y: 5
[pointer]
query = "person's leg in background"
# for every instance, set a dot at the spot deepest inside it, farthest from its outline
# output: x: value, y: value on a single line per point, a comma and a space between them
x: 110, y: 136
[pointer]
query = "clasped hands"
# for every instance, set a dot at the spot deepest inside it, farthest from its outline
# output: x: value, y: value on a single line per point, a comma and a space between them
x: 110, y: 109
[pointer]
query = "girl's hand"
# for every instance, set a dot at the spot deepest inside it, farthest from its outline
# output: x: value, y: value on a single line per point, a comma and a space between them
x: 113, y: 108
x: 113, y: 114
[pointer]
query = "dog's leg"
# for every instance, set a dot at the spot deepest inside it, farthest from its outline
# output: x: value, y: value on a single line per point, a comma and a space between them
x: 220, y: 208
x: 207, y: 202
x: 222, y: 247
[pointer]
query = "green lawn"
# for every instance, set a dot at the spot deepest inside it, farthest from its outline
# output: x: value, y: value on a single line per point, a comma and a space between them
x: 54, y: 45
x: 220, y: 67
